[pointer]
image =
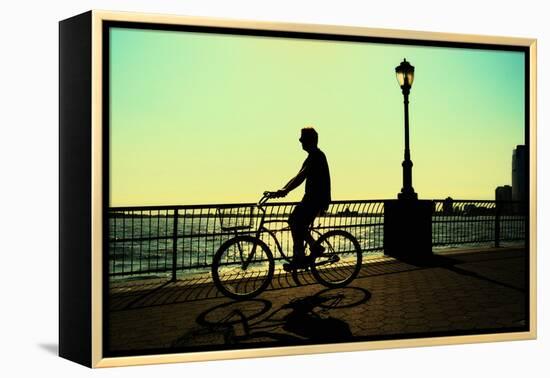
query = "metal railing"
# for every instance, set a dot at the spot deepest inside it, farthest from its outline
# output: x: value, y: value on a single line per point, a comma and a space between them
x: 464, y: 222
x: 146, y: 240
x: 171, y: 239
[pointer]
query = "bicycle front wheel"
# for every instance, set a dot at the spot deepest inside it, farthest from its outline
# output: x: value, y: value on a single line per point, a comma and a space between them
x: 243, y: 267
x: 341, y: 260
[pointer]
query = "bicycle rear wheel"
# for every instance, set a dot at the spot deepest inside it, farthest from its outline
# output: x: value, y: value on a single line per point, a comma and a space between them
x: 242, y: 267
x: 341, y: 260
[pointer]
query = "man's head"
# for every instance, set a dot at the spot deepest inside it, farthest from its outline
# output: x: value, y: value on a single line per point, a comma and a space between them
x: 309, y: 138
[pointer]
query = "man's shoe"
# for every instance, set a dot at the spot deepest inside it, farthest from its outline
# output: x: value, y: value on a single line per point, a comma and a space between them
x: 317, y: 250
x: 300, y: 263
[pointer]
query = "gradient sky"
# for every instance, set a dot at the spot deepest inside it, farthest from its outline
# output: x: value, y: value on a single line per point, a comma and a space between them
x: 205, y: 118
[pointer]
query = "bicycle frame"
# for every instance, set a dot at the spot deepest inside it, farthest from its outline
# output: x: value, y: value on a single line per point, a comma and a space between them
x: 322, y: 252
x: 262, y: 229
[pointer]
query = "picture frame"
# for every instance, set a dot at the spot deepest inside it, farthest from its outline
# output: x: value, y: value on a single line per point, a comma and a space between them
x: 103, y: 304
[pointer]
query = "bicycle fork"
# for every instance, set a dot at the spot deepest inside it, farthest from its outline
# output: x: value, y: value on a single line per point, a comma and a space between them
x: 246, y: 261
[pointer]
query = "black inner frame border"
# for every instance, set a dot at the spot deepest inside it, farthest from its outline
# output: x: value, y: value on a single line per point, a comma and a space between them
x: 107, y: 25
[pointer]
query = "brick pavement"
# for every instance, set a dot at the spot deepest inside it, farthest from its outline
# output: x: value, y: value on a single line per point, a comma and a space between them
x: 477, y: 291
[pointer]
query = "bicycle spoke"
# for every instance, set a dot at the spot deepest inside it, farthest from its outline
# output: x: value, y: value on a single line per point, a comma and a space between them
x: 340, y: 261
x: 242, y: 267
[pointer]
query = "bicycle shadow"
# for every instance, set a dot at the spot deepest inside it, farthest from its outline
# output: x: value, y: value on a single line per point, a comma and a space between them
x: 310, y: 319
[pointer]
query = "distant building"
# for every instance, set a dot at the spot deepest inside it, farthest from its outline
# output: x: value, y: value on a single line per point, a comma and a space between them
x: 519, y: 177
x: 503, y: 196
x: 503, y: 193
x: 519, y: 168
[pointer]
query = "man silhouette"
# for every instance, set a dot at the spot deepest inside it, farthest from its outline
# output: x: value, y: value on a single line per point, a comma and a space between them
x: 315, y: 173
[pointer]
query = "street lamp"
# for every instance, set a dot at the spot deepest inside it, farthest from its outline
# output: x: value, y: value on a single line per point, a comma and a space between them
x: 405, y: 77
x: 407, y: 220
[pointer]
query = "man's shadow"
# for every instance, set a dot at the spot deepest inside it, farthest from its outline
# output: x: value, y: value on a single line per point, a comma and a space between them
x: 306, y: 320
x: 303, y: 321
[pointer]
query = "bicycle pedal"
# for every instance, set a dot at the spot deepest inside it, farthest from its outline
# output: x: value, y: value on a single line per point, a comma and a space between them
x: 289, y: 268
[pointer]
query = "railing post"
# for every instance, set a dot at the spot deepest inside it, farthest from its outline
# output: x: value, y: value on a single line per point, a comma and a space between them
x: 175, y: 245
x: 498, y: 207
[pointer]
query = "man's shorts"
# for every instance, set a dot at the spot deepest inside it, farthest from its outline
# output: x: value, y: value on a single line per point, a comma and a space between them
x: 304, y: 214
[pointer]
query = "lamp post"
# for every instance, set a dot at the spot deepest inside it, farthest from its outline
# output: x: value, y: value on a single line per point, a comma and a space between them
x: 407, y: 220
x: 405, y: 77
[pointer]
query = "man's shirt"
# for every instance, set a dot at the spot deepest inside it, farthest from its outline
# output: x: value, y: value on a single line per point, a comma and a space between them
x: 317, y: 179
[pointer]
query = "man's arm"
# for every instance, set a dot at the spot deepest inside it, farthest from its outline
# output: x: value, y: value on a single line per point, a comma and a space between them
x: 295, y: 182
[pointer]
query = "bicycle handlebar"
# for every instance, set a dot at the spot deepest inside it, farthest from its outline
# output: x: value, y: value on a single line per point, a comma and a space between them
x: 267, y: 196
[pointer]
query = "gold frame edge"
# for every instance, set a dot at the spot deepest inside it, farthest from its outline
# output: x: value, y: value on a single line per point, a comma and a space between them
x: 533, y: 187
x: 98, y: 361
x: 97, y: 210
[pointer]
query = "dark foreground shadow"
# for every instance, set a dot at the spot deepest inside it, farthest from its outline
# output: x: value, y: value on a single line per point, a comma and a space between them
x: 310, y: 319
x: 451, y: 264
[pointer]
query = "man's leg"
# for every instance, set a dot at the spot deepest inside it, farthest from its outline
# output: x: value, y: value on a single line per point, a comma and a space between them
x: 301, y: 218
x: 298, y: 228
x: 311, y: 213
x: 308, y: 238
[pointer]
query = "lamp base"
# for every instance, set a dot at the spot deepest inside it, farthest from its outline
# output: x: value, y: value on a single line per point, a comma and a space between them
x: 408, y: 228
x: 407, y: 195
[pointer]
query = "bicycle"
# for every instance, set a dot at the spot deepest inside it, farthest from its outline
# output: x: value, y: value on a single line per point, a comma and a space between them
x: 244, y: 265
